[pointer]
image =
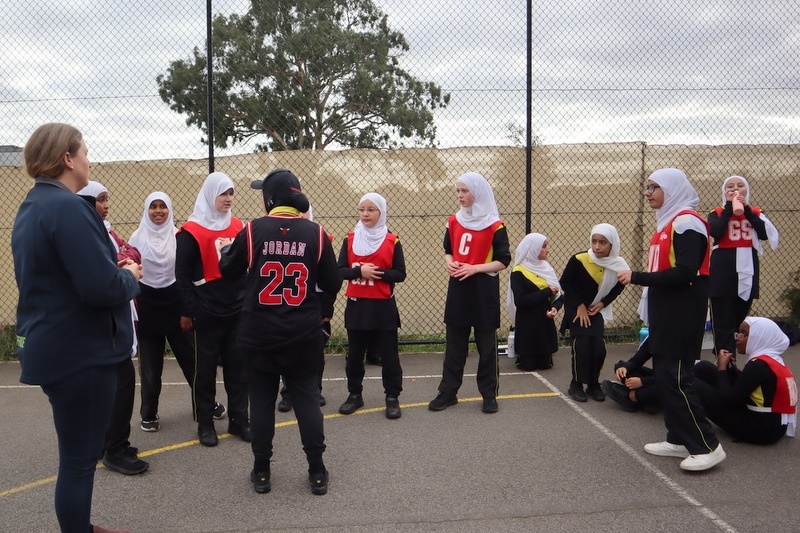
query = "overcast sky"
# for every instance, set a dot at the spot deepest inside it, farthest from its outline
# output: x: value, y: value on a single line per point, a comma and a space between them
x: 604, y: 71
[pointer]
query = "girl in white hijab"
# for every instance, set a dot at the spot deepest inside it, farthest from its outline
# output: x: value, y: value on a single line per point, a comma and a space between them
x: 734, y: 283
x: 159, y: 306
x: 483, y: 212
x: 532, y: 303
x: 371, y: 261
x: 590, y: 286
x: 367, y: 239
x: 758, y: 404
x: 674, y: 305
x: 475, y: 250
x: 205, y: 212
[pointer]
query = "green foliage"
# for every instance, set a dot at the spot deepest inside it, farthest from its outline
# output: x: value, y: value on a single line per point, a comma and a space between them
x: 8, y: 342
x: 305, y: 75
x: 791, y: 297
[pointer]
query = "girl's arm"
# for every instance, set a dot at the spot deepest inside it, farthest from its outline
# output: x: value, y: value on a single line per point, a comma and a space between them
x: 397, y: 273
x: 759, y: 225
x: 719, y: 223
x: 751, y: 377
x: 345, y: 270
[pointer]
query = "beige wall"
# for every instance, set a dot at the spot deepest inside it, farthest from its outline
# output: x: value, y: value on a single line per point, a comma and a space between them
x: 574, y: 187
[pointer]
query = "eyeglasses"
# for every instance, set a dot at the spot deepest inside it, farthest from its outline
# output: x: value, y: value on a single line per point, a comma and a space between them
x: 369, y: 210
x: 650, y: 189
x: 740, y: 334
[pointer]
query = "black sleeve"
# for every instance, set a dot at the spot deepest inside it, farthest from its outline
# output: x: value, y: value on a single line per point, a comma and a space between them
x: 187, y: 264
x: 328, y: 278
x: 718, y: 224
x: 568, y: 283
x: 526, y: 294
x: 690, y: 249
x: 500, y: 247
x: 233, y: 260
x: 345, y: 270
x: 759, y: 225
x: 448, y: 247
x: 750, y: 378
x: 641, y: 356
x: 397, y: 273
x: 615, y: 291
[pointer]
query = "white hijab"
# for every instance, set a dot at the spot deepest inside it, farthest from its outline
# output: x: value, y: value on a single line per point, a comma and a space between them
x: 156, y: 243
x: 95, y: 189
x: 766, y: 338
x: 483, y: 212
x: 679, y: 195
x: 366, y: 240
x: 527, y: 256
x: 204, y: 212
x: 612, y: 264
x: 744, y: 257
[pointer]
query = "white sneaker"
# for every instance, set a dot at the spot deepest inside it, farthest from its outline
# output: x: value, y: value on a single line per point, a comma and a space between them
x: 704, y: 461
x: 667, y: 449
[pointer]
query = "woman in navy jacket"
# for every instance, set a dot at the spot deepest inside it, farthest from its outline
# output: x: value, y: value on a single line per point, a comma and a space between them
x: 73, y: 316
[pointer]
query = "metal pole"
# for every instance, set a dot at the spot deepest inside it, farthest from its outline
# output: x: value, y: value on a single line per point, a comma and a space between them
x: 209, y: 88
x: 529, y: 118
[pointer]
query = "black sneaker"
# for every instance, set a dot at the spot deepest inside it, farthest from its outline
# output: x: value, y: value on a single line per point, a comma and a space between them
x: 442, y: 402
x: 240, y: 430
x: 319, y: 483
x: 619, y: 393
x: 285, y: 405
x: 150, y: 426
x: 353, y: 403
x: 207, y: 435
x: 261, y: 482
x: 576, y: 392
x: 595, y: 392
x: 490, y: 405
x: 393, y: 408
x: 125, y: 463
x: 219, y: 411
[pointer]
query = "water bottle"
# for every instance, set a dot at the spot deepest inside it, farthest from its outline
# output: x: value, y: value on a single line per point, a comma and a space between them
x: 643, y: 333
x: 510, y: 351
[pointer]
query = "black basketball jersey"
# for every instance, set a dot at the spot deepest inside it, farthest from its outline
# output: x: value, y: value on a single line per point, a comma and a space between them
x: 286, y: 257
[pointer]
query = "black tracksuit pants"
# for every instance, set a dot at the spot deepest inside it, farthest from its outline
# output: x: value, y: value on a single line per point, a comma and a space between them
x: 455, y: 357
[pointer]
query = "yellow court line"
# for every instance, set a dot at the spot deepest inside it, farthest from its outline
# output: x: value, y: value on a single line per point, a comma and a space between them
x: 287, y: 423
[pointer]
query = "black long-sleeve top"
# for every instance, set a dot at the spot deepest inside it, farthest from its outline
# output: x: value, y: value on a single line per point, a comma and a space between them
x: 219, y: 298
x: 678, y: 299
x: 579, y: 287
x: 724, y: 280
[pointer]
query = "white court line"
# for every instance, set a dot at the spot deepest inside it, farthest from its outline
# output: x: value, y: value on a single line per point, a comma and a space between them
x: 672, y: 484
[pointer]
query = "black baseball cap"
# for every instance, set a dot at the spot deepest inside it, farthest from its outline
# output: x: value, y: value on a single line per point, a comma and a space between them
x: 281, y: 187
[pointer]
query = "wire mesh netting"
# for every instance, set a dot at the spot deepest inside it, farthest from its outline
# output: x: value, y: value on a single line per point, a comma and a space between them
x: 402, y: 97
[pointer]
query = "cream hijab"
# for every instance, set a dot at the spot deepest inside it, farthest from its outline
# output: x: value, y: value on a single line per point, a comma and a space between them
x: 204, y: 212
x: 483, y: 212
x: 156, y: 243
x: 766, y: 338
x: 744, y: 257
x: 527, y: 256
x: 612, y: 264
x: 366, y: 240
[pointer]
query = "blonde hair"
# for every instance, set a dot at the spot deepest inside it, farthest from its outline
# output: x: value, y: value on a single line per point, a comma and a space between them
x: 44, y: 151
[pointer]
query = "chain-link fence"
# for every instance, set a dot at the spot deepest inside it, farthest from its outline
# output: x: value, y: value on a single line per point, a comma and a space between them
x: 401, y: 97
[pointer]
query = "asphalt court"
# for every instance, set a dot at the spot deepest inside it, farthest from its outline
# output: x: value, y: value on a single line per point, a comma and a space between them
x: 543, y: 463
